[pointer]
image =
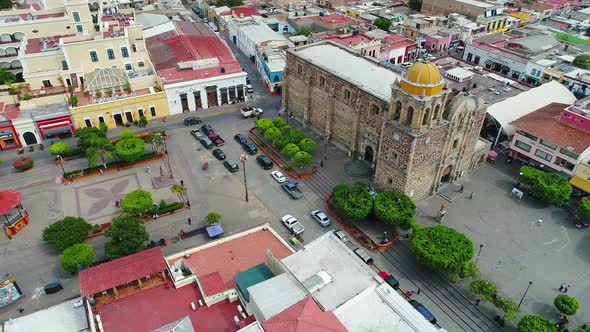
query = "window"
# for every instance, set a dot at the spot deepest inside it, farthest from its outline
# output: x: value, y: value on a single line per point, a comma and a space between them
x: 568, y: 153
x: 64, y: 65
x: 455, y: 143
x: 93, y: 56
x: 124, y: 52
x: 322, y: 81
x: 299, y: 69
x: 140, y: 112
x: 564, y: 163
x: 567, y: 116
x: 87, y: 122
x: 76, y: 16
x: 35, y: 31
x: 100, y: 119
x: 547, y: 144
x: 543, y: 154
x: 525, y: 134
x: 398, y: 110
x: 153, y: 110
x: 140, y: 64
x: 389, y: 180
x: 374, y: 109
x: 346, y: 94
x: 476, y: 60
x: 394, y: 156
x: 578, y: 120
x: 523, y: 146
x: 128, y: 66
x: 79, y: 28
x: 111, y: 54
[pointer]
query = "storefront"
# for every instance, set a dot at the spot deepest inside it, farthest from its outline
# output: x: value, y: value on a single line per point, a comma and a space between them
x: 8, y: 138
x: 55, y: 123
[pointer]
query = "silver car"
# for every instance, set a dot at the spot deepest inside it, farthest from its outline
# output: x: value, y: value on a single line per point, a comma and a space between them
x: 341, y: 235
x: 320, y: 217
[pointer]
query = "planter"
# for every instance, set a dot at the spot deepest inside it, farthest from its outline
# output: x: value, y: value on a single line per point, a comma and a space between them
x: 23, y: 163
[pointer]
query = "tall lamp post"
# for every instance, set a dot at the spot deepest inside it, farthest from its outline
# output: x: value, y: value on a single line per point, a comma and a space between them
x: 478, y: 253
x: 526, y: 291
x: 61, y: 162
x: 243, y: 159
x: 167, y: 157
x: 326, y: 147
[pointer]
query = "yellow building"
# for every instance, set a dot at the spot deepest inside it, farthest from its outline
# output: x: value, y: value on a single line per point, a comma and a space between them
x: 581, y: 178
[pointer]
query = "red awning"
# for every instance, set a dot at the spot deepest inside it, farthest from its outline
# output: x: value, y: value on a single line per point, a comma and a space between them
x: 8, y: 200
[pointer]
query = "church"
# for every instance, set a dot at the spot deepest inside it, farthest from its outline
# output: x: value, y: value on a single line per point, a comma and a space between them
x: 415, y: 132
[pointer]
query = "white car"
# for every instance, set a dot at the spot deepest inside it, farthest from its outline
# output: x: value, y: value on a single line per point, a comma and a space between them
x: 249, y: 88
x: 341, y: 235
x: 320, y: 217
x: 278, y: 176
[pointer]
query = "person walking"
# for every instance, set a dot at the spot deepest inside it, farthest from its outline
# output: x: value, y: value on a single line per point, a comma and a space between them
x: 461, y: 189
x: 562, y: 287
x: 189, y: 221
x: 182, y: 183
x: 471, y: 196
x: 418, y: 290
x: 188, y: 204
x: 117, y: 204
x: 477, y: 301
x: 566, y: 289
x: 20, y: 309
x: 539, y: 222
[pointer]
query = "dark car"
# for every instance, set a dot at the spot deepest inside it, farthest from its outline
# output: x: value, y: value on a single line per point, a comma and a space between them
x: 53, y: 288
x: 240, y: 138
x: 192, y: 120
x: 264, y: 161
x: 231, y: 165
x: 219, y: 154
x: 422, y: 309
x: 207, y: 129
x: 250, y: 148
x: 206, y: 142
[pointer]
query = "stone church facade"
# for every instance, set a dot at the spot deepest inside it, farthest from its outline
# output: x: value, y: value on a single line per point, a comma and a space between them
x: 416, y: 133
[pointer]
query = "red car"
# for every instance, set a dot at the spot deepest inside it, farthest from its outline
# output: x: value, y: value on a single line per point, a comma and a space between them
x: 217, y: 140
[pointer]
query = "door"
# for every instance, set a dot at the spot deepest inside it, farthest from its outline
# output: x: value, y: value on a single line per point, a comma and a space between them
x: 212, y: 97
x: 198, y: 102
x: 446, y: 175
x: 118, y: 119
x: 140, y: 112
x: 235, y: 40
x: 29, y: 138
x: 369, y: 154
x: 184, y: 103
x: 129, y: 117
x: 88, y: 123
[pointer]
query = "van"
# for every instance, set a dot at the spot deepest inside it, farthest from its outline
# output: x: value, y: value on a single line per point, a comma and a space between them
x: 363, y: 255
x: 206, y: 142
x: 422, y: 310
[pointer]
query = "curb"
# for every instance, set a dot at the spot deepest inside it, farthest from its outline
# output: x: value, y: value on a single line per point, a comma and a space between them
x: 112, y: 169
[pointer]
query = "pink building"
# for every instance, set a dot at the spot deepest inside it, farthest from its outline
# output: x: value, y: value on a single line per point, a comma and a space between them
x: 555, y: 137
x: 437, y: 44
x: 361, y: 42
x: 397, y: 49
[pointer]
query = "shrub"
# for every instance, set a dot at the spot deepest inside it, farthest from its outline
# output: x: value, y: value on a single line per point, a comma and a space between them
x: 169, y: 208
x: 74, y: 101
x: 534, y: 323
x: 137, y: 202
x: 281, y: 142
x: 583, y: 209
x: 548, y: 187
x: 213, y: 218
x: 130, y: 149
x: 143, y: 121
x: 484, y: 289
x: 26, y: 96
x: 78, y: 255
x: 509, y: 307
x: 307, y: 145
x: 279, y: 122
x: 295, y: 136
x: 395, y: 208
x: 263, y: 124
x: 291, y: 149
x: 96, y: 229
x: 66, y: 232
x: 272, y: 134
x: 566, y: 304
x: 302, y: 158
x: 286, y: 129
x: 442, y: 248
x: 353, y: 202
x: 128, y: 236
x: 127, y: 133
x: 23, y: 163
x: 60, y: 148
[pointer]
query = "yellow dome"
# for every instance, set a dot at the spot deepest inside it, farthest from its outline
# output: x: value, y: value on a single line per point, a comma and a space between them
x: 422, y: 79
x: 424, y: 73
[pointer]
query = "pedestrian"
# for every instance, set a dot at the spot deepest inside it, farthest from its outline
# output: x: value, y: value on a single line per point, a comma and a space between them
x: 147, y: 170
x: 562, y: 287
x: 418, y: 290
x: 539, y: 222
x: 258, y: 117
x: 471, y: 196
x: 117, y: 204
x: 321, y: 163
x: 409, y: 293
x: 189, y: 221
x: 20, y: 309
x: 442, y: 207
x: 477, y: 301
x: 182, y: 183
x: 188, y: 204
x: 566, y: 289
x: 460, y: 189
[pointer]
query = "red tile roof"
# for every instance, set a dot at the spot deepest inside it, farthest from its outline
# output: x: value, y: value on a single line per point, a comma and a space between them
x: 234, y: 256
x: 349, y: 40
x: 120, y: 271
x: 304, y: 316
x: 212, y: 283
x: 241, y: 12
x: 35, y: 45
x: 393, y: 38
x: 544, y: 123
x: 335, y: 18
x: 10, y: 112
x: 9, y: 199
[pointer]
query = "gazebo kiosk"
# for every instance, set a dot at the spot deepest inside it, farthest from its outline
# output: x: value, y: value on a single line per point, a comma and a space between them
x: 12, y: 213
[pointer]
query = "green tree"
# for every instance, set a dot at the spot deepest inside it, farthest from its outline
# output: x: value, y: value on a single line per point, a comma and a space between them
x: 548, y: 187
x: 484, y: 289
x: 213, y: 218
x: 6, y: 77
x: 156, y: 139
x: 137, y: 202
x: 87, y: 134
x: 128, y: 236
x: 130, y: 149
x: 263, y: 124
x: 583, y: 209
x: 382, y: 23
x: 295, y: 136
x: 272, y: 134
x: 179, y: 190
x: 534, y: 323
x: 415, y: 4
x: 60, y: 148
x: 302, y: 159
x: 291, y: 150
x: 395, y: 208
x: 279, y: 122
x: 281, y: 142
x: 442, y: 248
x: 66, y: 232
x: 77, y: 255
x: 99, y: 148
x: 304, y: 31
x: 353, y: 202
x: 127, y: 133
x: 307, y: 145
x: 582, y: 61
x: 509, y: 307
x: 286, y: 129
x: 566, y: 304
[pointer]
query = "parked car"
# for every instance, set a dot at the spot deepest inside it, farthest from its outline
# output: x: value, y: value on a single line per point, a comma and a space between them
x: 231, y: 165
x: 422, y: 310
x: 218, y: 153
x: 278, y: 176
x: 207, y: 129
x: 292, y: 224
x: 341, y: 235
x: 192, y: 120
x: 249, y: 112
x: 249, y: 88
x: 320, y: 217
x: 264, y: 161
x: 247, y: 80
x: 217, y: 140
x: 241, y: 138
x: 197, y: 134
x: 250, y: 148
x: 206, y: 142
x: 363, y: 255
x: 292, y: 189
x: 53, y: 288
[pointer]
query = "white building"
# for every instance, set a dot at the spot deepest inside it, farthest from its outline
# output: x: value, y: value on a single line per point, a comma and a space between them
x: 196, y: 67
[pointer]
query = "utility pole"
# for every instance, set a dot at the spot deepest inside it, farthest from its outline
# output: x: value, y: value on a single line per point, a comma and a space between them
x: 243, y: 159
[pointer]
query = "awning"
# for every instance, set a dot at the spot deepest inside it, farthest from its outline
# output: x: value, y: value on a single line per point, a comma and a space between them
x: 9, y: 199
x: 580, y: 183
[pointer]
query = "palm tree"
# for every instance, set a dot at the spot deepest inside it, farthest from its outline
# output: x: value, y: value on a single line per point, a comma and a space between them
x: 6, y: 77
x: 98, y: 147
x: 156, y: 140
x: 179, y: 190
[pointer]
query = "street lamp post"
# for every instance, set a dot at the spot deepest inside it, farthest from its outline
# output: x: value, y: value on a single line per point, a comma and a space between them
x: 478, y: 253
x: 61, y: 162
x: 167, y: 157
x: 243, y: 159
x: 326, y: 147
x: 526, y: 291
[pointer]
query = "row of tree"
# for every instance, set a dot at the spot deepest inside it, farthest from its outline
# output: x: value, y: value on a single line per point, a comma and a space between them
x: 292, y: 142
x: 565, y: 304
x: 548, y: 187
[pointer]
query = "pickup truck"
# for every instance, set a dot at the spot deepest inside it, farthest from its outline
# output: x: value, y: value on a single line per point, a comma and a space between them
x: 197, y: 134
x: 291, y: 188
x: 249, y: 111
x: 216, y: 139
x: 292, y: 224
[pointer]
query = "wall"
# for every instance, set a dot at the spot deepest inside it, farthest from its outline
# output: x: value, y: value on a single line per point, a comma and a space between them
x: 500, y: 58
x: 536, y: 145
x: 445, y: 7
x: 575, y: 120
x: 41, y: 101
